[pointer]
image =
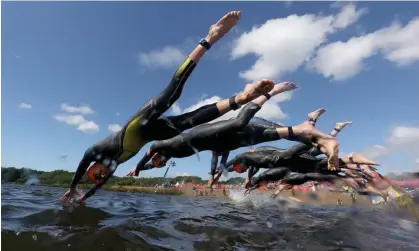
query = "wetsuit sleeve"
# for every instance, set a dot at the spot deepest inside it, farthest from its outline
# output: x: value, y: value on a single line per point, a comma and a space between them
x: 142, y: 164
x: 299, y: 149
x: 88, y: 158
x: 314, y: 152
x: 252, y: 171
x: 224, y: 158
x: 214, y: 162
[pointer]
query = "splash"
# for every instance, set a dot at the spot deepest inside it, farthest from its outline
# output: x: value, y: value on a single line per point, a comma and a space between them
x: 257, y: 200
x: 32, y: 180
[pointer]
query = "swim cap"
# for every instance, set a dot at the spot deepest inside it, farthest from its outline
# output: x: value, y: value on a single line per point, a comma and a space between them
x: 238, y: 168
x: 97, y: 173
x: 158, y: 161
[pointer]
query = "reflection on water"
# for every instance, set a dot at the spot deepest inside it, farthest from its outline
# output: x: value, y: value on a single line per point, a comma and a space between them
x: 32, y: 219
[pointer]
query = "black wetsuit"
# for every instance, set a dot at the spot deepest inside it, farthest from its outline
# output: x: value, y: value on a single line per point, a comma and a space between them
x: 145, y: 126
x: 298, y: 170
x: 221, y: 136
x: 214, y: 161
x: 291, y: 165
x: 266, y: 131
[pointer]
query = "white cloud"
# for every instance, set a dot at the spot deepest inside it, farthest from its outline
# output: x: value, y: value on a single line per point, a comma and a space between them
x: 173, y: 175
x: 114, y: 128
x: 270, y: 110
x: 176, y: 109
x: 167, y: 57
x: 84, y: 109
x: 402, y: 139
x: 79, y: 122
x: 375, y: 152
x: 25, y: 106
x: 284, y: 44
x: 342, y: 60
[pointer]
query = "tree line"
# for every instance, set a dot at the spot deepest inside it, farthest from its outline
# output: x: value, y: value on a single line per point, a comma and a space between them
x: 63, y: 178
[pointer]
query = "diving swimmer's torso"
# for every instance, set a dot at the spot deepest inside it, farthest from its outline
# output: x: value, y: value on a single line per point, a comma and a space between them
x: 126, y: 143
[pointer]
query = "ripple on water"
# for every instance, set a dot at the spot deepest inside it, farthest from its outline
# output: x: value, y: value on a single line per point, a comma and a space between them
x: 33, y: 219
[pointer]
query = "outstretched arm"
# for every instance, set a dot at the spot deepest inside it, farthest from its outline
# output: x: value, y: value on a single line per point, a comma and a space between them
x: 224, y: 158
x: 142, y: 163
x: 252, y: 171
x: 214, y: 162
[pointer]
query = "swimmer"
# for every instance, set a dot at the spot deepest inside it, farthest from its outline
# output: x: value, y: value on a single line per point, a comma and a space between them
x: 215, y: 173
x: 297, y: 149
x: 371, y: 183
x: 282, y: 164
x: 147, y: 125
x: 235, y: 133
x: 313, y: 116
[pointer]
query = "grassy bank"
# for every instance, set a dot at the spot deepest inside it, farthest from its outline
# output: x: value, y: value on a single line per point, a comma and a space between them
x: 129, y: 189
x: 146, y: 190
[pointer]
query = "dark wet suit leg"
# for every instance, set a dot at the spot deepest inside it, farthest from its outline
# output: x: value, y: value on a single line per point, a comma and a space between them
x: 268, y: 148
x: 301, y: 178
x: 274, y: 174
x: 149, y: 112
x: 199, y: 136
x: 203, y: 133
x: 159, y: 104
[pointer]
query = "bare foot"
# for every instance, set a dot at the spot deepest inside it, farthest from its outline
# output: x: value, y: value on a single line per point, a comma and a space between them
x: 357, y: 158
x: 252, y: 91
x: 341, y: 125
x: 223, y: 26
x: 316, y: 114
x: 283, y: 87
x: 332, y: 151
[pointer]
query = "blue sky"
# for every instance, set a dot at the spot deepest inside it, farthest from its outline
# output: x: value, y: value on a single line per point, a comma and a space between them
x: 99, y: 62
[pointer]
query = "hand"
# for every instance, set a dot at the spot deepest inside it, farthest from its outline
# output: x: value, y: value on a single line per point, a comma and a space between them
x: 132, y: 173
x: 247, y: 191
x: 69, y: 194
x: 211, y: 181
x: 247, y: 183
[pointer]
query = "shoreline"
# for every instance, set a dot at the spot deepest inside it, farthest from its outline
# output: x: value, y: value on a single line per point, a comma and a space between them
x: 319, y: 197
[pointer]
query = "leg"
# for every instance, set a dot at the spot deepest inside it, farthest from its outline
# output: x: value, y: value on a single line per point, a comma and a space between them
x: 356, y: 158
x: 312, y: 119
x: 339, y: 126
x: 159, y: 104
x: 313, y: 116
x: 300, y: 178
x: 274, y: 174
x: 211, y: 112
x: 305, y: 132
x: 249, y: 159
x: 242, y: 119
